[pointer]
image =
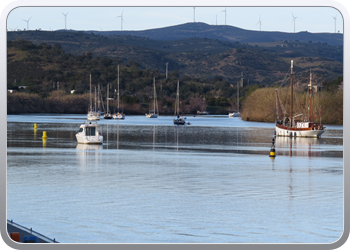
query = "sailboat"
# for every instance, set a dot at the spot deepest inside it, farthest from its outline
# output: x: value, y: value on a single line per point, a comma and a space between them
x: 92, y: 114
x: 154, y: 113
x: 119, y: 115
x: 177, y: 119
x: 236, y: 113
x: 203, y: 111
x: 108, y: 114
x: 286, y: 126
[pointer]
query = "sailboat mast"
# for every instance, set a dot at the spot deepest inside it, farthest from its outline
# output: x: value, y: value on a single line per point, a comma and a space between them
x: 90, y: 94
x: 310, y: 85
x: 241, y: 82
x: 98, y: 97
x: 177, y: 99
x: 118, y: 88
x: 154, y: 94
x: 291, y: 95
x: 95, y: 98
x: 107, y: 97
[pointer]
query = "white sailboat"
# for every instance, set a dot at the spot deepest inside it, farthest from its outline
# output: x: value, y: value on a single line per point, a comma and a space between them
x: 108, y: 114
x: 236, y: 113
x: 178, y: 120
x: 154, y: 113
x: 203, y: 111
x: 89, y: 133
x: 286, y: 126
x: 92, y: 114
x: 119, y: 115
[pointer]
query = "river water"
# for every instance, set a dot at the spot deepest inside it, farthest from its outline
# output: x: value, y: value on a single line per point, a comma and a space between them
x: 152, y: 182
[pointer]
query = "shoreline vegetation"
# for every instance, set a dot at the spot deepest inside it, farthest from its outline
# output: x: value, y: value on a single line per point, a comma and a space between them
x: 43, y: 78
x: 259, y: 106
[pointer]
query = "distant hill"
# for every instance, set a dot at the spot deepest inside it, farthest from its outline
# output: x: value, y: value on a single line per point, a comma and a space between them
x: 227, y: 33
x: 205, y: 51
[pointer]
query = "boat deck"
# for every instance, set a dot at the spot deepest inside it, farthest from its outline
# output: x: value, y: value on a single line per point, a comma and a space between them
x: 13, y: 227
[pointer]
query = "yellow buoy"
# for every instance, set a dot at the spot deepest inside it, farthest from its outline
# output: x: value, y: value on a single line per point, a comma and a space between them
x: 44, y: 135
x: 35, y: 126
x: 272, y: 150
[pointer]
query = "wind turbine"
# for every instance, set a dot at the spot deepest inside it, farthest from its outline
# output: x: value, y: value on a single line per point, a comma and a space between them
x: 259, y: 23
x: 294, y: 21
x: 121, y: 20
x: 65, y: 20
x: 335, y: 24
x: 194, y: 14
x: 27, y: 21
x: 225, y: 15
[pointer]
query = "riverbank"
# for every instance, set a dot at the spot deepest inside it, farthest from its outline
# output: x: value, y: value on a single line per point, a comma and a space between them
x: 259, y: 106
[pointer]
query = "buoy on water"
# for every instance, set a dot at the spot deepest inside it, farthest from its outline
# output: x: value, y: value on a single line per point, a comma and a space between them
x: 44, y: 135
x: 272, y: 150
x: 35, y: 126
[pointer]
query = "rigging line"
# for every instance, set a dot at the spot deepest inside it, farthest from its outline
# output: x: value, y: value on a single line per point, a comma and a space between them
x: 285, y: 78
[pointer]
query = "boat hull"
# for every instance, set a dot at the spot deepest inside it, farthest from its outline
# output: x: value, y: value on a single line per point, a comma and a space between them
x: 93, y: 116
x: 151, y: 115
x: 297, y: 132
x: 179, y: 121
x: 234, y: 114
x: 119, y: 116
x: 108, y: 116
x: 89, y: 139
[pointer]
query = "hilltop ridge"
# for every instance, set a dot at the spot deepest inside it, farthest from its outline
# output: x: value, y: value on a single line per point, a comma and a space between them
x: 226, y: 33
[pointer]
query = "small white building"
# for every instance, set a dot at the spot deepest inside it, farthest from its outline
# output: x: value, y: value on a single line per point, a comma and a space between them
x: 318, y: 88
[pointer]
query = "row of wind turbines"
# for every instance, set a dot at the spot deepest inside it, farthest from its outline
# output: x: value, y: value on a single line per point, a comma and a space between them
x: 194, y: 20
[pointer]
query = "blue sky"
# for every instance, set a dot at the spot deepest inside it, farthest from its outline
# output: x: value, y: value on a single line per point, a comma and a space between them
x: 311, y: 19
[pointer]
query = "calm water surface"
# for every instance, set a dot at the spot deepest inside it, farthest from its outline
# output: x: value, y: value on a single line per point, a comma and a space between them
x: 153, y: 182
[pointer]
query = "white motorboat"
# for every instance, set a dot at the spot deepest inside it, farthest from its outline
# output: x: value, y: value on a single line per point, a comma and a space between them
x: 89, y: 133
x: 286, y: 126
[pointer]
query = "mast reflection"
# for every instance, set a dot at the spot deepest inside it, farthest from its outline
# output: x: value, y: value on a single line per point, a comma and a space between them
x: 298, y: 146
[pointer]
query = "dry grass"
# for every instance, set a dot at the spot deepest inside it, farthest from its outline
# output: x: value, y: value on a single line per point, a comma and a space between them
x: 261, y: 105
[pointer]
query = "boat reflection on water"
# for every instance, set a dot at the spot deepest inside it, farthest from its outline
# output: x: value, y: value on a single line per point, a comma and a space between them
x: 89, y: 154
x: 298, y: 146
x: 89, y: 147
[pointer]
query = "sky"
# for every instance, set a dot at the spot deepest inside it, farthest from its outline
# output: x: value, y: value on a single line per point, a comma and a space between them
x: 311, y: 19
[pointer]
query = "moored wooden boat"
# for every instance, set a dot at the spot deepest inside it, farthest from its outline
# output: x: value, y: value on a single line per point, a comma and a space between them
x: 287, y: 126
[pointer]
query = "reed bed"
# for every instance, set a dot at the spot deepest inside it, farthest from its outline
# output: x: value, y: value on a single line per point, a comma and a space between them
x: 261, y: 105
